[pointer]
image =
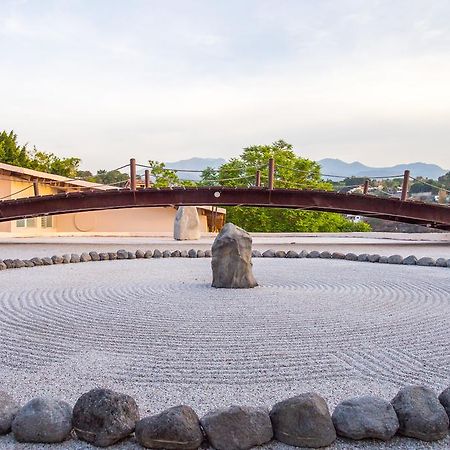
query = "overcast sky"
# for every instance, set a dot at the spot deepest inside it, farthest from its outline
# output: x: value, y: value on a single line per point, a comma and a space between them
x: 365, y: 80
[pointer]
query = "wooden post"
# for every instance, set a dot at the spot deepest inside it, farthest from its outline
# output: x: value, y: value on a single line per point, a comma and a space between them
x: 147, y: 179
x: 271, y: 172
x: 36, y: 188
x: 132, y: 174
x: 258, y: 178
x: 405, y: 186
x: 366, y: 187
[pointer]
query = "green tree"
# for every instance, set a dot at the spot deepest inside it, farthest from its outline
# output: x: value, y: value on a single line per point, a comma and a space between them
x: 112, y: 177
x: 444, y: 180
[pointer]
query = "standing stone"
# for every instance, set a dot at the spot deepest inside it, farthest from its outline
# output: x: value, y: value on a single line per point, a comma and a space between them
x: 365, y: 418
x: 187, y: 224
x: 303, y: 421
x: 8, y: 410
x: 444, y: 398
x: 175, y: 428
x: 232, y: 259
x: 420, y: 413
x: 237, y: 427
x: 43, y: 420
x: 103, y: 417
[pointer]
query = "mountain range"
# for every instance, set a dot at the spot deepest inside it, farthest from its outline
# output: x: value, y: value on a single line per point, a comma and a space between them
x: 329, y: 167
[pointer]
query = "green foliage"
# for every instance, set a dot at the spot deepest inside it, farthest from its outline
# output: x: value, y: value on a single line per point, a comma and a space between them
x: 113, y: 177
x: 418, y: 187
x: 166, y: 177
x: 444, y: 180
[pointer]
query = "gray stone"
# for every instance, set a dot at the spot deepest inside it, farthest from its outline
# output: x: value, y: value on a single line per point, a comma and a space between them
x: 448, y: 262
x: 256, y: 254
x: 19, y: 264
x: 74, y: 258
x: 365, y: 418
x: 140, y: 254
x: 47, y: 261
x: 410, y: 260
x: 122, y: 254
x: 291, y: 254
x: 192, y: 253
x: 36, y: 261
x: 184, y: 254
x: 444, y: 398
x: 112, y: 256
x: 313, y: 254
x: 103, y: 417
x: 200, y: 254
x: 303, y: 254
x: 426, y: 261
x: 187, y: 224
x: 8, y: 410
x: 57, y: 259
x: 166, y: 254
x: 175, y: 428
x: 148, y: 254
x: 232, y: 259
x: 94, y: 256
x: 104, y: 256
x: 420, y: 414
x: 208, y: 253
x: 351, y: 257
x: 9, y: 263
x: 374, y: 258
x: 303, y: 421
x: 395, y: 259
x: 157, y: 253
x: 85, y: 257
x: 441, y: 262
x: 237, y: 427
x: 65, y: 257
x: 3, y: 265
x: 131, y: 255
x: 383, y: 260
x: 280, y: 254
x: 175, y: 254
x: 338, y: 255
x: 325, y: 255
x: 43, y: 420
x: 28, y: 263
x: 363, y: 257
x: 269, y: 254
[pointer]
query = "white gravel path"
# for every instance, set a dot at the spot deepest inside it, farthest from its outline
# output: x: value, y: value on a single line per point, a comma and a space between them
x: 156, y: 330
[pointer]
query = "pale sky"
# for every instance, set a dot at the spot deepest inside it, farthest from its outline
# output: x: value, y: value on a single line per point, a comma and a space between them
x: 107, y: 80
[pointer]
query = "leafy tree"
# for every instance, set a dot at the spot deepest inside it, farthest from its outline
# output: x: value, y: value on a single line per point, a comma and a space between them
x: 112, y: 177
x: 418, y: 187
x: 166, y: 177
x: 444, y: 180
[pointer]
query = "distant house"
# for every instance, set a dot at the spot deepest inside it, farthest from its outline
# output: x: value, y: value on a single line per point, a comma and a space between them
x: 18, y: 182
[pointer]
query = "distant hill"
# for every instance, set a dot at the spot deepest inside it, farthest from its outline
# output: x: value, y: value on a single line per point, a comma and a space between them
x: 338, y: 167
x: 194, y: 164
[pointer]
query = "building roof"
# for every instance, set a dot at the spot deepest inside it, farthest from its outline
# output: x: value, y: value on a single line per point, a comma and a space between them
x: 22, y: 172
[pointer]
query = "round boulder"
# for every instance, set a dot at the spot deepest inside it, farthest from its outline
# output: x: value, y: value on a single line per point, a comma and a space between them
x: 8, y: 410
x: 395, y: 259
x: 103, y: 417
x: 410, y: 260
x: 313, y: 254
x: 426, y: 261
x: 365, y: 418
x: 420, y: 414
x: 175, y: 428
x: 303, y: 421
x: 351, y: 257
x: 43, y: 420
x: 237, y: 427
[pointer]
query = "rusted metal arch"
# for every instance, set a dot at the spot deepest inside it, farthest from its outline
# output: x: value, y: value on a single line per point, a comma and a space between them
x: 436, y: 216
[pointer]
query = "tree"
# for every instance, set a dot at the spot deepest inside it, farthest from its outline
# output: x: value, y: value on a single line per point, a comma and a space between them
x: 113, y: 177
x: 444, y: 180
x: 292, y: 171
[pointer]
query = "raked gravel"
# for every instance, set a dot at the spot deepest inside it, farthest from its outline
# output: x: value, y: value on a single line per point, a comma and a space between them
x: 156, y: 330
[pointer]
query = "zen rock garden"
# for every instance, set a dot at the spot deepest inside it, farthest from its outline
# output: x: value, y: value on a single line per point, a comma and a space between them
x: 102, y: 418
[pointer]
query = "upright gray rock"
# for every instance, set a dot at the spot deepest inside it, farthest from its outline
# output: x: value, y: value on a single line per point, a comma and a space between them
x: 43, y: 420
x: 420, y: 413
x: 365, y: 418
x: 232, y: 259
x: 103, y: 417
x: 187, y: 224
x: 303, y: 421
x: 175, y: 428
x: 8, y: 410
x: 237, y: 427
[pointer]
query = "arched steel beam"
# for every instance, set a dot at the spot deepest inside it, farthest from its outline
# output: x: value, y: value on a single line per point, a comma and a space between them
x: 437, y: 216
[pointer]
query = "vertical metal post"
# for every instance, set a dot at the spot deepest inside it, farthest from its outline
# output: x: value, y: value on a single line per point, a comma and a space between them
x: 366, y: 187
x: 271, y: 172
x: 36, y: 188
x: 132, y: 174
x: 147, y: 179
x: 258, y: 178
x: 405, y: 186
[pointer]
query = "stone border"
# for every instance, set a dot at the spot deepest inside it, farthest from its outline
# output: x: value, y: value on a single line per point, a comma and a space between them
x: 103, y: 417
x: 192, y: 253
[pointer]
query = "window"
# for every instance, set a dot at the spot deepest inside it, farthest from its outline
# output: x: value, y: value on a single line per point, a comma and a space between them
x: 26, y: 223
x: 46, y: 222
x: 20, y: 223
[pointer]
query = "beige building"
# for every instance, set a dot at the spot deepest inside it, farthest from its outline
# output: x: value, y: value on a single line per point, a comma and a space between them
x: 17, y: 182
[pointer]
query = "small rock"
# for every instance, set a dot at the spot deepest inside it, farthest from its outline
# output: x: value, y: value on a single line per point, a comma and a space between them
x: 365, y: 418
x: 303, y: 421
x: 122, y: 254
x: 426, y: 261
x: 47, y: 261
x: 57, y: 259
x: 36, y: 261
x: 74, y: 258
x: 280, y: 254
x: 66, y: 258
x: 303, y: 254
x: 8, y: 410
x: 140, y: 254
x: 85, y: 257
x: 43, y: 420
x: 338, y: 255
x: 10, y: 263
x: 351, y: 257
x: 291, y: 254
x: 192, y: 253
x: 395, y: 259
x: 208, y: 253
x: 166, y: 254
x: 3, y: 265
x: 448, y: 262
x: 374, y: 258
x: 325, y: 255
x: 200, y: 254
x: 175, y: 254
x: 237, y: 427
x: 183, y: 254
x: 104, y: 256
x: 175, y: 428
x: 112, y: 256
x: 313, y: 254
x: 363, y: 257
x: 420, y: 414
x: 157, y: 253
x: 444, y: 398
x: 383, y: 260
x: 256, y: 254
x: 103, y: 417
x: 268, y: 254
x: 148, y: 254
x: 19, y: 264
x: 94, y: 256
x: 28, y: 263
x: 410, y: 260
x: 441, y: 262
x: 131, y: 255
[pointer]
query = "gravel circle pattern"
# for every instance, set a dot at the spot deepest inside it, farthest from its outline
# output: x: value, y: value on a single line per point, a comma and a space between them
x: 156, y: 330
